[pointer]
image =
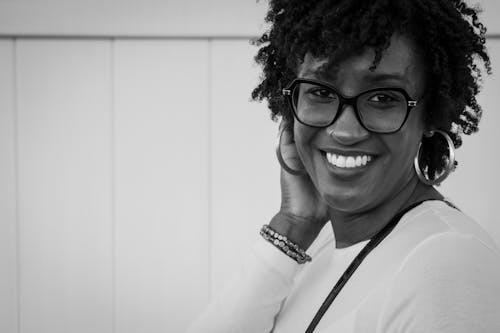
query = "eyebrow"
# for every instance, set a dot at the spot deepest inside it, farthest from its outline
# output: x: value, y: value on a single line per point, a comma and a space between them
x: 386, y: 77
x: 319, y: 74
x: 371, y: 78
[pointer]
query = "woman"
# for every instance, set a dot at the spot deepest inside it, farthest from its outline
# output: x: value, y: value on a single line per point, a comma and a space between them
x: 374, y: 97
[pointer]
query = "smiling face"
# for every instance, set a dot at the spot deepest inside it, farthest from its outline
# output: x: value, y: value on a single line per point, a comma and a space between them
x: 355, y: 170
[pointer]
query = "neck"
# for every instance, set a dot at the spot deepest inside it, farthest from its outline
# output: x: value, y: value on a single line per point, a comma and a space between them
x: 352, y: 228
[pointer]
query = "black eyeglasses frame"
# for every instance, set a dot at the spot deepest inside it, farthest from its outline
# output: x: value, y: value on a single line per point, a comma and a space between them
x: 344, y: 100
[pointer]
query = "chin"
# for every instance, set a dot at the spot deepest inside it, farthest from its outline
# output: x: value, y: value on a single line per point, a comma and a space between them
x: 346, y: 201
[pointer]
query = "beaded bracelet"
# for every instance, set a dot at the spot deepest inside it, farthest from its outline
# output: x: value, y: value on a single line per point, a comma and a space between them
x: 294, y: 247
x: 284, y: 244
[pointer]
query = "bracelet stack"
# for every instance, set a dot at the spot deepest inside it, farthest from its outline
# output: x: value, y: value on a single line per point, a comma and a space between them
x: 284, y: 244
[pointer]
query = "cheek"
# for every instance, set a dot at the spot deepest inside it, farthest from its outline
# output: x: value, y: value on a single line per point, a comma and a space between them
x: 402, y: 150
x: 415, y: 124
x: 403, y: 145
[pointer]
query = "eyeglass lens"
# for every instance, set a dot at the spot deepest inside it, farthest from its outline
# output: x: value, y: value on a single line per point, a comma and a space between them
x: 379, y: 110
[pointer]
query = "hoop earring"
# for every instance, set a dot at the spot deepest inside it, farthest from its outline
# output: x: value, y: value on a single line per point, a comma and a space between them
x: 449, y: 167
x: 282, y: 161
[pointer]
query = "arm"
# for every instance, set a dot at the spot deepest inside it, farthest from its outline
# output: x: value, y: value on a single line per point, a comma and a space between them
x: 252, y: 300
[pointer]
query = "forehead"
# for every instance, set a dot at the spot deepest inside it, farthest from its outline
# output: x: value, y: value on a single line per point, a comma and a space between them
x: 400, y: 63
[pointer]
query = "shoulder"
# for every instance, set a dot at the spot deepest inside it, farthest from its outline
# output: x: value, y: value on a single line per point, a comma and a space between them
x: 450, y: 278
x: 447, y: 245
x: 450, y: 258
x: 435, y: 220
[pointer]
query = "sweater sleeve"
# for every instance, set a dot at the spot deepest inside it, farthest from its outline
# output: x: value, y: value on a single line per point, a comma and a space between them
x: 254, y: 297
x: 450, y: 284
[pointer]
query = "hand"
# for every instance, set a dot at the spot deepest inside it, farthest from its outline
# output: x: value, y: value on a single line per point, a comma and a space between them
x: 303, y: 212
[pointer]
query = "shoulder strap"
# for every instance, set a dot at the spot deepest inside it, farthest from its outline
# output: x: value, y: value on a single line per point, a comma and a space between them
x: 451, y: 204
x: 355, y: 263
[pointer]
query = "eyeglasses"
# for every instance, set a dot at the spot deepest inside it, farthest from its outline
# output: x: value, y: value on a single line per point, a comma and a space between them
x: 318, y: 104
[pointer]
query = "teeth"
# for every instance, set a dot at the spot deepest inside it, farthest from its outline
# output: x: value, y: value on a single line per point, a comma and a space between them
x: 342, y: 161
x: 350, y: 162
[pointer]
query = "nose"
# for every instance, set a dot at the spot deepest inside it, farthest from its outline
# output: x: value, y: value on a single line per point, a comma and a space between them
x: 347, y: 130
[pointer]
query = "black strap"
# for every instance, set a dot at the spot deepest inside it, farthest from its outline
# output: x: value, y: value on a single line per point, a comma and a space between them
x: 355, y: 263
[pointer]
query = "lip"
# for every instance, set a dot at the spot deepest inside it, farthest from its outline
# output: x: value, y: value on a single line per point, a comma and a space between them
x: 347, y: 152
x: 347, y: 173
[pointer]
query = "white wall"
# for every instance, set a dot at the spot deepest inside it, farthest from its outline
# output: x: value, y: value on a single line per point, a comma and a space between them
x: 130, y: 171
x: 135, y: 173
x: 146, y: 18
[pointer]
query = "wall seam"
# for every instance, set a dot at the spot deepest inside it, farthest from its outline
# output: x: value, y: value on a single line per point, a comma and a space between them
x: 210, y: 167
x: 129, y: 37
x: 16, y: 181
x: 112, y: 183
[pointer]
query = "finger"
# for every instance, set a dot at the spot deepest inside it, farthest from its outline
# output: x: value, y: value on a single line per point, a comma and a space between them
x: 291, y: 156
x: 286, y: 137
x: 289, y: 152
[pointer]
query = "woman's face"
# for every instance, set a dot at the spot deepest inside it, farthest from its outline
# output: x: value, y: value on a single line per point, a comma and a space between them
x: 390, y: 166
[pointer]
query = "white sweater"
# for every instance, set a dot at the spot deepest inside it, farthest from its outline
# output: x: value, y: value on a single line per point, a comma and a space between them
x: 438, y: 271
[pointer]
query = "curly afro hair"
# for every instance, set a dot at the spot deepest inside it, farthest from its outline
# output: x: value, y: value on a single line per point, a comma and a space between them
x: 447, y: 32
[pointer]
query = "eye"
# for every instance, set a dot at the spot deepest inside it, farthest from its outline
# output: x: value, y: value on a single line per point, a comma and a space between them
x: 321, y: 95
x: 321, y: 92
x: 382, y: 98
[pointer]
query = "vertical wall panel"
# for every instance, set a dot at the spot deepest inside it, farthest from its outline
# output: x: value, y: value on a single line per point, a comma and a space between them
x: 64, y: 184
x: 475, y: 183
x: 245, y: 172
x: 8, y: 224
x: 162, y: 183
